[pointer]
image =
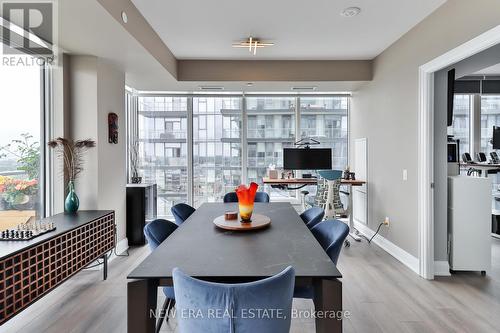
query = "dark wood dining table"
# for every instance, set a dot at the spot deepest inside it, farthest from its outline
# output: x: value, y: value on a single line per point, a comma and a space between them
x: 204, y: 251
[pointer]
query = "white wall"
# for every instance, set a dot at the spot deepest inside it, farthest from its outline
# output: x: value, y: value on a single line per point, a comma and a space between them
x: 385, y: 111
x: 98, y: 88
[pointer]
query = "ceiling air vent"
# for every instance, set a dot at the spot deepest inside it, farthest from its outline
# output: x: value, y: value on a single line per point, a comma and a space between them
x: 211, y: 88
x: 310, y: 88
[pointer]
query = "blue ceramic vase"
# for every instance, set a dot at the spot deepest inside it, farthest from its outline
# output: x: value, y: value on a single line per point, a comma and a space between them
x: 72, y: 202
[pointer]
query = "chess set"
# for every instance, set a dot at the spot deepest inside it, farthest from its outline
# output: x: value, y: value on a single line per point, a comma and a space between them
x: 27, y: 231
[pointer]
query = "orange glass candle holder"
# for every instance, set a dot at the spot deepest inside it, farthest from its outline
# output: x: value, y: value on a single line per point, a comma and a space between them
x: 246, y: 197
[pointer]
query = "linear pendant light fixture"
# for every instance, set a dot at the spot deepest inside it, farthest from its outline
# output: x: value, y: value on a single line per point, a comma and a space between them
x: 252, y: 44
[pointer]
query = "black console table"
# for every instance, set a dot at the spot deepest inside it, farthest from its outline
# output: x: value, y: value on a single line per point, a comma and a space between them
x: 30, y: 269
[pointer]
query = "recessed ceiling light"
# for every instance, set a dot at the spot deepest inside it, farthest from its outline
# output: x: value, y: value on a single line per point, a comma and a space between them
x: 304, y: 88
x: 211, y: 88
x: 350, y: 12
x: 124, y: 17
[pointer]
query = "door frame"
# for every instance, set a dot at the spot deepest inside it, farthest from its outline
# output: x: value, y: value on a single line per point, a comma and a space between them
x: 426, y: 140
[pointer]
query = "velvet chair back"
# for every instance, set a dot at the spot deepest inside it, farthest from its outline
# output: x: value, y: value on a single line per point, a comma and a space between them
x: 181, y: 212
x: 157, y: 231
x: 312, y: 216
x: 331, y: 235
x: 262, y: 306
x: 259, y: 197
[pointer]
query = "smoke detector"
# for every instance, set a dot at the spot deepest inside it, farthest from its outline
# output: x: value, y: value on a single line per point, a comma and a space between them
x: 350, y: 12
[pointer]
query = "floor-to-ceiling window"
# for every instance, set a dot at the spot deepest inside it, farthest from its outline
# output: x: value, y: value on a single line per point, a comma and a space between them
x: 163, y: 147
x: 462, y: 106
x: 196, y: 148
x: 325, y: 119
x: 216, y: 147
x: 21, y: 131
x: 490, y: 116
x: 270, y: 128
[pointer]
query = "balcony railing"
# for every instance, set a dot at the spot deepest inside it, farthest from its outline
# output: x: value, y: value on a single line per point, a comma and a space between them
x: 327, y: 133
x: 271, y: 133
x: 153, y: 161
x: 163, y: 135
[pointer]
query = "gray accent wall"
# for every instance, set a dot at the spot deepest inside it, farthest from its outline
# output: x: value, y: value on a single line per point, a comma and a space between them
x: 385, y: 111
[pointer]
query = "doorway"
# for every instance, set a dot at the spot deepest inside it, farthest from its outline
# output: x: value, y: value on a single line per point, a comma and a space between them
x: 426, y: 141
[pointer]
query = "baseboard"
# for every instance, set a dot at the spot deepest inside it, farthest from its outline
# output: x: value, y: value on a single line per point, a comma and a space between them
x: 120, y: 247
x: 398, y: 253
x: 441, y: 268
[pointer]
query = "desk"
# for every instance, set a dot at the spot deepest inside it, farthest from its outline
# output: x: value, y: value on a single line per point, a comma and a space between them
x: 314, y: 181
x: 481, y: 166
x: 204, y: 251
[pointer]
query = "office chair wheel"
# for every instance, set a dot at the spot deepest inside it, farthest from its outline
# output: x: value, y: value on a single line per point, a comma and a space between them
x: 347, y: 243
x: 483, y: 273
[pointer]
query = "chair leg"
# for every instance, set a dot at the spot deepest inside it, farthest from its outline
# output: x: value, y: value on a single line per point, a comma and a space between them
x: 163, y: 314
x: 170, y: 307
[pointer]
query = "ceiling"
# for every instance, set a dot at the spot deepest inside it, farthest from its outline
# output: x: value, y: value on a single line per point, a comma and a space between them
x: 106, y: 38
x: 493, y: 70
x: 305, y: 30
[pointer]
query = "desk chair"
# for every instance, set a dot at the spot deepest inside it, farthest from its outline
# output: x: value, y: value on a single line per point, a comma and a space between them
x: 481, y: 157
x: 259, y: 197
x: 328, y: 194
x: 230, y: 302
x: 156, y: 232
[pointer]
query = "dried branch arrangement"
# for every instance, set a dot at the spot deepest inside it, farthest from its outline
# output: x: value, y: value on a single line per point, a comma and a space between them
x: 134, y: 158
x: 72, y: 152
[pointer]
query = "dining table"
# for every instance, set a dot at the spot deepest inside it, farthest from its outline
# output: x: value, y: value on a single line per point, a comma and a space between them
x: 204, y: 251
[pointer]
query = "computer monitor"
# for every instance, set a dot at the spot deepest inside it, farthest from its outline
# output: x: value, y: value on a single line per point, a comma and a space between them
x: 307, y: 158
x: 496, y: 137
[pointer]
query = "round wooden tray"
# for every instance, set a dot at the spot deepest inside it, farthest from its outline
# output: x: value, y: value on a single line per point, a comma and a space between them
x: 258, y: 222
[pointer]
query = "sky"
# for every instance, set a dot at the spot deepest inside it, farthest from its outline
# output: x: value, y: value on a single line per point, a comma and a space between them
x: 19, y: 101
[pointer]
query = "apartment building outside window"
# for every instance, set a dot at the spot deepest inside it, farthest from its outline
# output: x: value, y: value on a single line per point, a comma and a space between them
x: 490, y: 116
x: 462, y: 107
x: 234, y: 139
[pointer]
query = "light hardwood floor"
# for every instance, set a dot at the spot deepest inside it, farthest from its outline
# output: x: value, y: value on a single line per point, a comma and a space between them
x: 381, y: 295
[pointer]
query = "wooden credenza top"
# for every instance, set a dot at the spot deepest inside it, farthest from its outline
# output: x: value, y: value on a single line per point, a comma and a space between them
x: 64, y: 223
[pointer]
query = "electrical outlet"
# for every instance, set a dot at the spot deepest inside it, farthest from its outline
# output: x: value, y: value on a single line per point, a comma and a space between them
x: 386, y: 221
x: 405, y: 174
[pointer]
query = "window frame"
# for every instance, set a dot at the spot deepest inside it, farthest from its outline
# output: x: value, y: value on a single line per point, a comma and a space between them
x: 244, y: 122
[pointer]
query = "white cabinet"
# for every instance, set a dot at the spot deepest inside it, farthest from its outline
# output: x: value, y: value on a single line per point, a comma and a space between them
x: 469, y: 223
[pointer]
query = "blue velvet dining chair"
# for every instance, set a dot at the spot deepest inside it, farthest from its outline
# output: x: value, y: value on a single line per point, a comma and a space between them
x: 259, y: 197
x: 330, y: 234
x: 156, y: 232
x: 181, y: 212
x: 216, y: 307
x: 312, y: 216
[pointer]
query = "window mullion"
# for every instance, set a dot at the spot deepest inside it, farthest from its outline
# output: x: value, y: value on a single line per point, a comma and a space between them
x: 244, y: 142
x: 190, y: 150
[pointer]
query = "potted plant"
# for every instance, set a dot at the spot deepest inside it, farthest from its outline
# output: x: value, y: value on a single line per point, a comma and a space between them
x: 72, y: 153
x: 18, y: 194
